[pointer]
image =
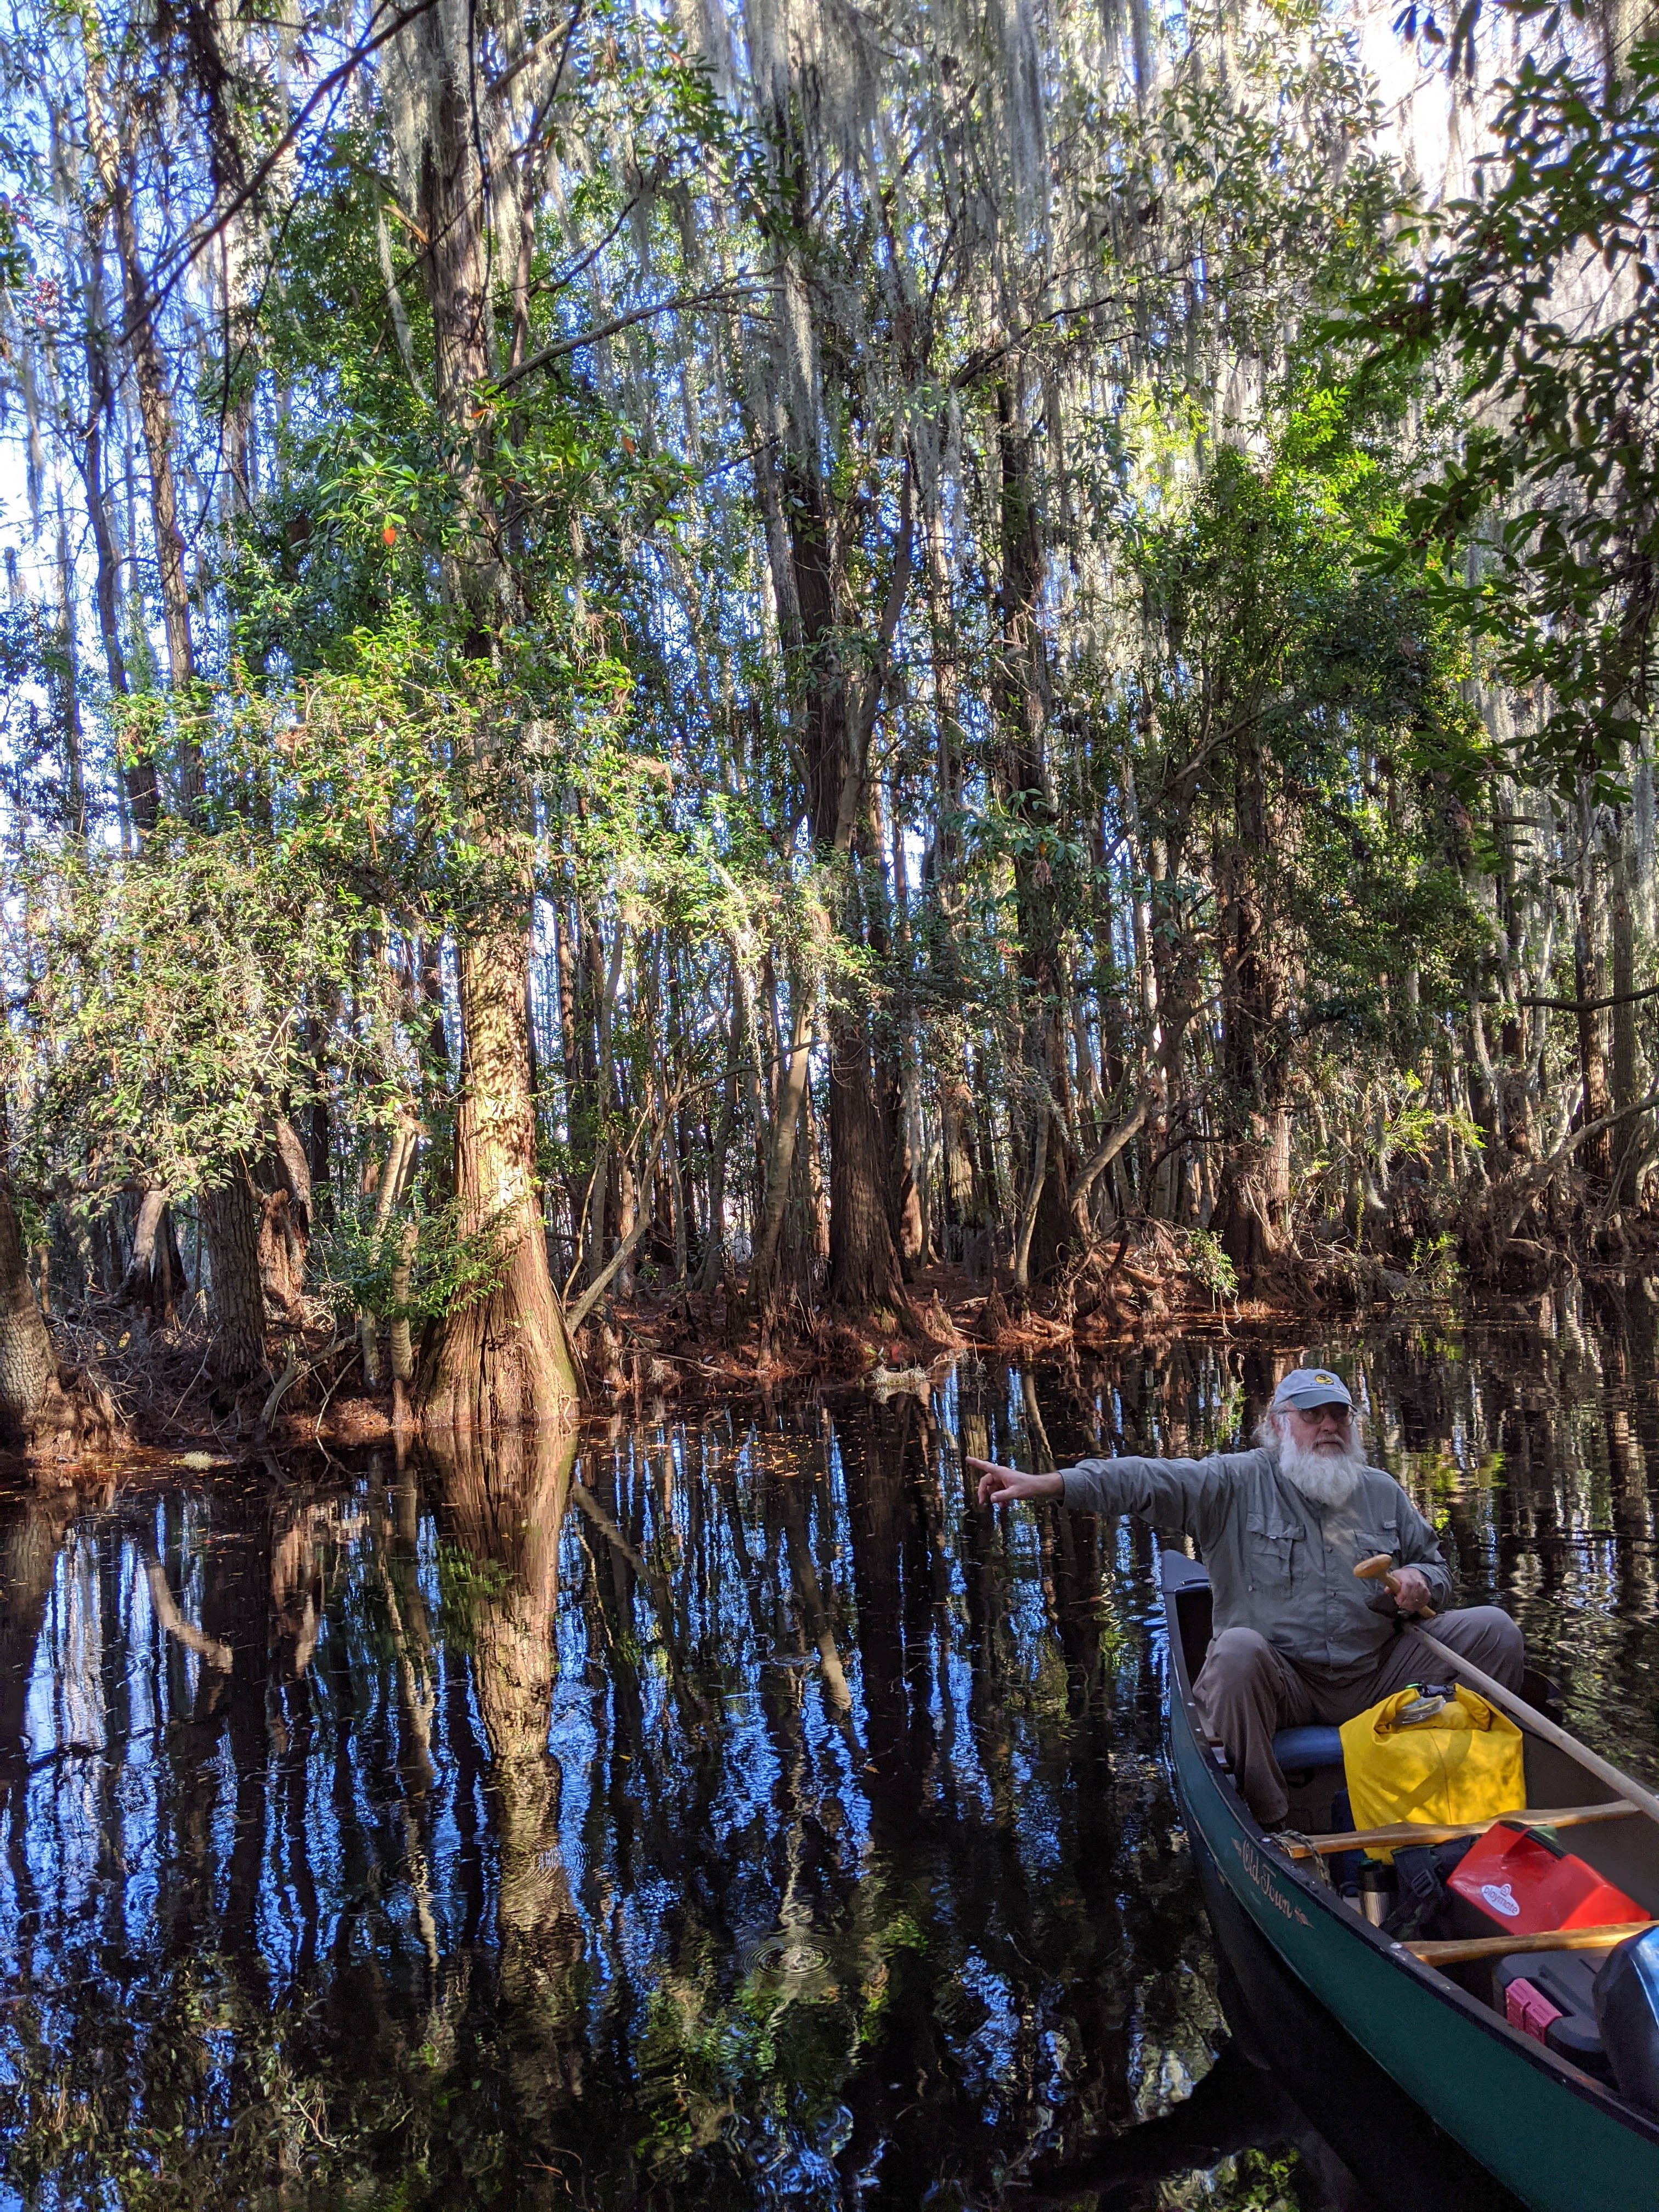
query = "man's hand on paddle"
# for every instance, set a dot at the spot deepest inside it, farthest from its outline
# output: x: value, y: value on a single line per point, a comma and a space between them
x: 1006, y: 1486
x: 1410, y: 1590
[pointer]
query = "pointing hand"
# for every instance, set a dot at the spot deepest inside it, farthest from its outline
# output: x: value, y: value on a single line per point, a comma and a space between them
x: 1006, y: 1486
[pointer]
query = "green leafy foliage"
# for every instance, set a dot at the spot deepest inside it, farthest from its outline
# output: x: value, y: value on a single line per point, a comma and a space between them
x: 168, y: 995
x: 419, y: 1262
x: 1285, y: 666
x: 1539, y: 529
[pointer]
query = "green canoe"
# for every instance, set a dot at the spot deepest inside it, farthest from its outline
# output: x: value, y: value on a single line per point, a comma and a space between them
x: 1409, y: 2072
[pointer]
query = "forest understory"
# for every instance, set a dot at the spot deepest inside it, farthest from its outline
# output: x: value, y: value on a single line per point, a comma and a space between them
x: 677, y: 1343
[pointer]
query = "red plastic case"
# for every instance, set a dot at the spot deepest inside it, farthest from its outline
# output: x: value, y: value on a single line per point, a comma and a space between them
x: 1522, y: 1884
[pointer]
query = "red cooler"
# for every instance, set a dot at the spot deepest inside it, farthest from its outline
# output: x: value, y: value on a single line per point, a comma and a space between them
x: 1521, y: 1883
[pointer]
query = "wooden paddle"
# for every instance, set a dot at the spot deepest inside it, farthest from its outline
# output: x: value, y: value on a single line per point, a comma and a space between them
x: 1402, y: 1833
x: 1453, y: 1950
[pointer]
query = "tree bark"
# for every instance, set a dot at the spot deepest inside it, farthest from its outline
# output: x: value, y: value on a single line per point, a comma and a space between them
x: 865, y: 1275
x: 284, y: 1235
x: 839, y: 692
x: 864, y: 1271
x: 115, y: 158
x: 713, y: 1263
x: 154, y: 1277
x: 504, y: 1357
x: 1590, y: 983
x: 1629, y: 1138
x: 230, y: 1235
x: 780, y: 1159
x: 1046, y: 1227
x: 389, y: 1188
x: 47, y: 1412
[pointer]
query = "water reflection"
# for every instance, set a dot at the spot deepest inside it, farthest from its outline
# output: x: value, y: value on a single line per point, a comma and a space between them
x: 713, y: 1811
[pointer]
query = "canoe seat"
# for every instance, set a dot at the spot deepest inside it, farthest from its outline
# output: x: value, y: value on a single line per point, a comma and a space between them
x: 1299, y: 1749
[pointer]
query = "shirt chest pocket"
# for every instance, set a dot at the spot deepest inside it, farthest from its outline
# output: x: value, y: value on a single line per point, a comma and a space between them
x: 1271, y: 1552
x: 1380, y: 1532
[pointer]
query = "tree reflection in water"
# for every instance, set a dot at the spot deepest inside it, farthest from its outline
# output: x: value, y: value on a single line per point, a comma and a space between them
x: 712, y: 1811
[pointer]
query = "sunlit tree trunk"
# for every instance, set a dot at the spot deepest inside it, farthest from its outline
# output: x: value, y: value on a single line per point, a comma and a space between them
x: 154, y: 1277
x: 504, y: 1357
x: 283, y: 1184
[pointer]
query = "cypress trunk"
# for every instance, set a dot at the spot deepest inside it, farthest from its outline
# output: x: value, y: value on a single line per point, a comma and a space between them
x: 46, y: 1412
x: 1590, y: 982
x: 1629, y: 1136
x: 154, y: 1277
x: 1046, y: 1224
x: 779, y: 1160
x: 504, y: 1357
x: 864, y: 1271
x: 230, y: 1233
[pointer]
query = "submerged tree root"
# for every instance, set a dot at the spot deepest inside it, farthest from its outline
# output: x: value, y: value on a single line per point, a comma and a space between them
x: 76, y: 1421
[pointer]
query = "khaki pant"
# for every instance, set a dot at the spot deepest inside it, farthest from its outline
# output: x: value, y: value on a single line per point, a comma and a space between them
x: 1247, y: 1689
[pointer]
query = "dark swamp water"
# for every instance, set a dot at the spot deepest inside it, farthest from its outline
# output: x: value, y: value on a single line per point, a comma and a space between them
x: 709, y: 1811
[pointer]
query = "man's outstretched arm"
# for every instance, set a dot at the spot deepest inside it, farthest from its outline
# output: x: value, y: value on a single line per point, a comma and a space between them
x: 1189, y: 1494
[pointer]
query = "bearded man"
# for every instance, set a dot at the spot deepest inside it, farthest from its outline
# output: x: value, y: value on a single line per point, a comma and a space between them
x: 1298, y: 1638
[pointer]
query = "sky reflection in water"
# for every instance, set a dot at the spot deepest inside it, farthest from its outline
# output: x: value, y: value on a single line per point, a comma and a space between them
x: 744, y: 1821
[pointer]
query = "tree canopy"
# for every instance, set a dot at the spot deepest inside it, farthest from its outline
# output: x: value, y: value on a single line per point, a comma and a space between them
x: 767, y: 649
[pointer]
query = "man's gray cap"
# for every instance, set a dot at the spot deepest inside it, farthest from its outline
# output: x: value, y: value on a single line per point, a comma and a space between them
x: 1312, y: 1386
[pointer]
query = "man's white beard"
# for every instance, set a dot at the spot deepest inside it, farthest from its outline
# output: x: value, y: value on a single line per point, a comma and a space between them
x: 1324, y: 1479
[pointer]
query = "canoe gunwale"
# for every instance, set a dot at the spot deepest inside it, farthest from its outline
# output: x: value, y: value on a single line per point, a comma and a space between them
x: 1297, y: 1879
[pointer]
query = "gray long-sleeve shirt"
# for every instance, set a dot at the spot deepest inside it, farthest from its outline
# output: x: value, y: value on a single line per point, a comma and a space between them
x: 1278, y: 1563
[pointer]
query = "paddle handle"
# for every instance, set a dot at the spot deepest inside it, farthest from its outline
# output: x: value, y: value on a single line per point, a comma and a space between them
x: 1381, y: 1568
x: 1519, y: 1709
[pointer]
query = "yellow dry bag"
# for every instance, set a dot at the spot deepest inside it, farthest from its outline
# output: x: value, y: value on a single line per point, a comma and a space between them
x: 1463, y: 1763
